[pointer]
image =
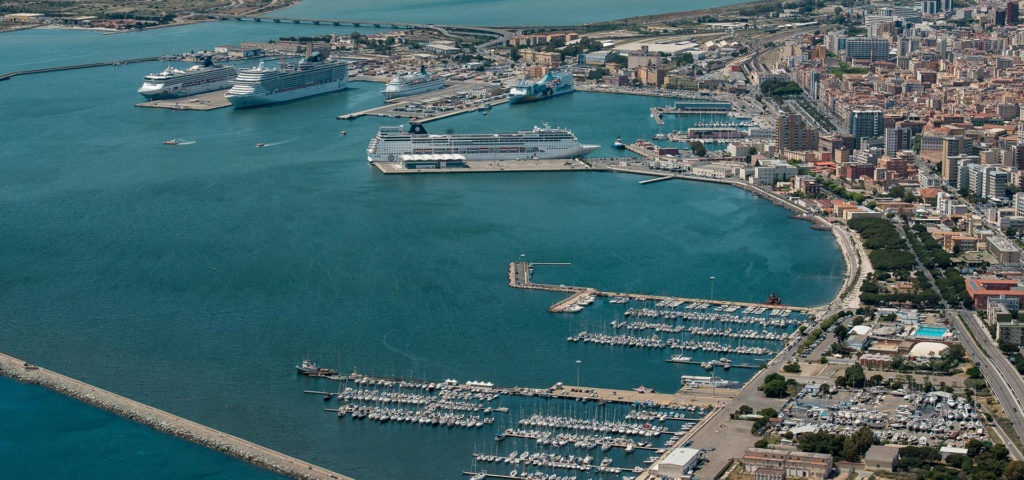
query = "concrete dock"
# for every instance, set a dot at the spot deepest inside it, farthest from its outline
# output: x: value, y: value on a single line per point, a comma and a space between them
x: 395, y: 106
x: 519, y: 277
x: 203, y: 101
x: 260, y: 456
x: 656, y: 115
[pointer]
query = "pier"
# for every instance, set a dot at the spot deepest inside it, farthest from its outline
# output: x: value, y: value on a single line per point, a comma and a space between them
x: 260, y: 456
x: 203, y: 102
x: 656, y: 115
x: 519, y: 277
x: 652, y: 180
x: 435, y: 104
x: 8, y: 76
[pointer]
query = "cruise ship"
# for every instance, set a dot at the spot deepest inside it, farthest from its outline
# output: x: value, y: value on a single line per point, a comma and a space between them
x: 260, y: 85
x: 403, y: 85
x: 173, y: 83
x: 539, y: 143
x: 552, y: 85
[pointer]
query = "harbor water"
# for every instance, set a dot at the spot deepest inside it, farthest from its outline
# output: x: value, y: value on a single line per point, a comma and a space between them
x: 192, y: 277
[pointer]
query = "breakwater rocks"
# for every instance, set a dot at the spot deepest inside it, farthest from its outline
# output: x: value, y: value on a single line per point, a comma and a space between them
x: 165, y: 422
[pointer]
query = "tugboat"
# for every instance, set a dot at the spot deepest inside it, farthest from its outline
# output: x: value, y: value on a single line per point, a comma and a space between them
x: 774, y: 300
x: 312, y: 369
x: 617, y: 144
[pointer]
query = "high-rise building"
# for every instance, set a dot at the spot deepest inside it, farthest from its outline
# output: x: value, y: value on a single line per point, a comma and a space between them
x: 791, y: 133
x: 953, y: 146
x: 867, y: 48
x: 1012, y: 12
x: 866, y: 124
x: 897, y: 139
x: 929, y: 7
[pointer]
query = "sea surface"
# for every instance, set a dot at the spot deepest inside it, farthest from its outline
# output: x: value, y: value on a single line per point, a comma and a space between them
x: 46, y: 435
x: 490, y: 12
x: 194, y: 277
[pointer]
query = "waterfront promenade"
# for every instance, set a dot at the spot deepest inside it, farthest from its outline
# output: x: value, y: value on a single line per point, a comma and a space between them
x: 260, y: 456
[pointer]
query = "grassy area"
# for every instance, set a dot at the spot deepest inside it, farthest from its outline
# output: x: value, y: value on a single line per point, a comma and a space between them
x: 843, y: 69
x: 999, y: 416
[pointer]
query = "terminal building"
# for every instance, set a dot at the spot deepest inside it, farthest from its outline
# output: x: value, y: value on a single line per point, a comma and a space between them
x: 779, y: 464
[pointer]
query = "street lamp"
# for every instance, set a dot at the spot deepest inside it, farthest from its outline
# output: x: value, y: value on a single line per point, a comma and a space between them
x: 712, y: 287
x: 578, y: 362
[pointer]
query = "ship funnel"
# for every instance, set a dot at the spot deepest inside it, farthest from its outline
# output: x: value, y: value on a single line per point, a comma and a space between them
x: 417, y: 128
x: 423, y: 69
x: 208, y: 61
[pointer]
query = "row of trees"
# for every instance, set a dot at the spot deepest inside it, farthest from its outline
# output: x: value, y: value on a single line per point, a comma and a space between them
x: 983, y: 461
x: 850, y: 448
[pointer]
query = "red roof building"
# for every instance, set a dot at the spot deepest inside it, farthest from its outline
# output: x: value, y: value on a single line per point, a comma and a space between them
x: 981, y: 289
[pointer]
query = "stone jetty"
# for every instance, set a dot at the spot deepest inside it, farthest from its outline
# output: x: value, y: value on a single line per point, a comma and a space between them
x: 165, y: 422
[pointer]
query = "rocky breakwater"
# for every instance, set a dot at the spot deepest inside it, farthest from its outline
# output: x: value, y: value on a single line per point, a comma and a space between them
x: 214, y: 439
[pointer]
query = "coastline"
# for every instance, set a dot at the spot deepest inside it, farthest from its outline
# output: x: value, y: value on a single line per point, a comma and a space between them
x: 21, y: 371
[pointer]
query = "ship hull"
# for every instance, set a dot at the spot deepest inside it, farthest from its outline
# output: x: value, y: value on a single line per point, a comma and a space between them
x: 513, y: 98
x: 581, y: 151
x: 258, y: 99
x: 166, y: 92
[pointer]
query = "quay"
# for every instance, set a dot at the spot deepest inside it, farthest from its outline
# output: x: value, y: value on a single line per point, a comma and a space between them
x: 260, y: 456
x: 656, y: 115
x: 398, y: 107
x: 519, y: 277
x: 203, y: 102
x: 652, y: 180
x: 8, y: 76
x: 685, y: 397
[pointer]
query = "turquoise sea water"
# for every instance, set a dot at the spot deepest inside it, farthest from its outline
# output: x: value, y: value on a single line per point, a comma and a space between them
x: 490, y: 12
x: 46, y: 435
x: 192, y: 278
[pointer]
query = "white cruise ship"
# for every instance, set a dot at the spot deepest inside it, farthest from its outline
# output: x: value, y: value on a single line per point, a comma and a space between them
x: 404, y: 85
x: 173, y: 83
x: 539, y: 143
x: 263, y: 86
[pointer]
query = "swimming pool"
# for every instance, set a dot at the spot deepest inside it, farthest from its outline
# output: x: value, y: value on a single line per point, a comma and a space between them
x: 936, y: 332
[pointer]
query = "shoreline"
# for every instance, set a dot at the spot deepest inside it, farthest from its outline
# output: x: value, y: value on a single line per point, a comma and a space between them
x: 263, y: 457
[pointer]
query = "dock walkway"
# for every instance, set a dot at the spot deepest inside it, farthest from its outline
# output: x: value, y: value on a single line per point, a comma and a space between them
x: 519, y: 277
x: 8, y: 76
x: 260, y: 456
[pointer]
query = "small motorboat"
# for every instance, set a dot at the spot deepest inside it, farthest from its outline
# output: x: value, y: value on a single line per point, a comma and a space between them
x: 260, y: 145
x: 170, y: 142
x: 342, y: 132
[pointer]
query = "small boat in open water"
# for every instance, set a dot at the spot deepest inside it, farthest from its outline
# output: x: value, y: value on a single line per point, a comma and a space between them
x: 312, y: 369
x: 170, y: 142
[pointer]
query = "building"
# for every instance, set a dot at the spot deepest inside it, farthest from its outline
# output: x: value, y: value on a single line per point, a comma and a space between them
x: 866, y: 124
x: 791, y: 133
x: 770, y: 172
x: 678, y: 462
x: 982, y: 289
x: 867, y: 48
x: 643, y: 58
x: 898, y: 139
x: 1011, y: 331
x: 953, y: 146
x: 814, y: 466
x: 881, y: 458
x: 1003, y: 249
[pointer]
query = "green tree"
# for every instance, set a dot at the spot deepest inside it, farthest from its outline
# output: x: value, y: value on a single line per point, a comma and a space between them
x: 841, y: 332
x: 855, y: 376
x: 791, y: 368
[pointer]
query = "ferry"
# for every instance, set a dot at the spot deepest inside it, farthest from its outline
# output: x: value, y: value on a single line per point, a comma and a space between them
x: 404, y: 85
x: 262, y: 85
x: 551, y: 85
x: 617, y: 144
x: 540, y: 143
x: 174, y: 83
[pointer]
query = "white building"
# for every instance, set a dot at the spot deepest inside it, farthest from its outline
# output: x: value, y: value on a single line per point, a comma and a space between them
x: 678, y: 462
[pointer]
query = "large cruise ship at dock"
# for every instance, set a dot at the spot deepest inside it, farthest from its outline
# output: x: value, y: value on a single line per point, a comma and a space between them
x: 311, y: 76
x: 539, y: 143
x: 551, y: 85
x: 174, y: 83
x: 404, y: 85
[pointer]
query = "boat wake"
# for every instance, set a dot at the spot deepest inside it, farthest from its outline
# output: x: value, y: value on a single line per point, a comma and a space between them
x: 274, y: 144
x: 186, y: 142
